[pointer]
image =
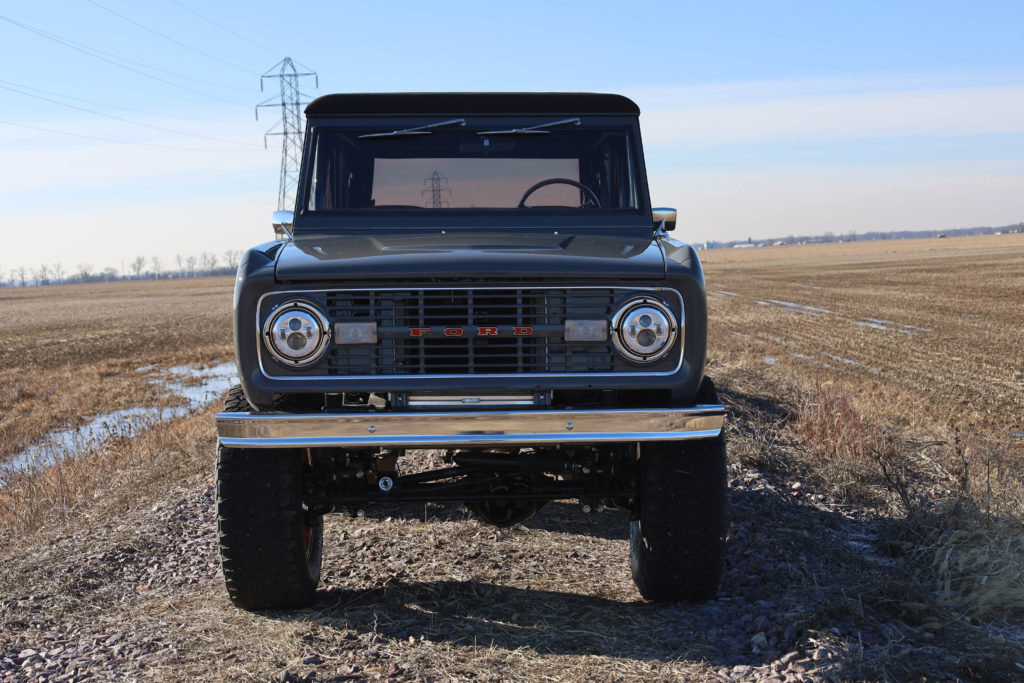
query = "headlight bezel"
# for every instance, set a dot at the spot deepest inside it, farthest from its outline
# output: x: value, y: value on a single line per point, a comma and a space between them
x: 639, y: 306
x: 303, y: 309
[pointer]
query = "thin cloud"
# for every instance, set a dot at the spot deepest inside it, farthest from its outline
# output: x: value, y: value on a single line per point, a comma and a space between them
x: 746, y: 113
x: 776, y: 202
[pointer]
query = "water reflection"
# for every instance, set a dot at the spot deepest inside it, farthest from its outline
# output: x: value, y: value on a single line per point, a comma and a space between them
x: 198, y: 386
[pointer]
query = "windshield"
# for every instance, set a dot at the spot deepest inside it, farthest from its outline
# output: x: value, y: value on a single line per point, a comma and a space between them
x: 457, y: 168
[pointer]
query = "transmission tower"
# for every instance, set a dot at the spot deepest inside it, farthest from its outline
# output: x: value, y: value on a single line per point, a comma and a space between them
x: 290, y: 127
x: 438, y: 187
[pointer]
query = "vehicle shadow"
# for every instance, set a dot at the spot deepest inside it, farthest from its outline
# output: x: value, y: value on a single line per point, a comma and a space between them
x: 557, y: 516
x: 803, y: 573
x: 787, y: 572
x: 568, y: 518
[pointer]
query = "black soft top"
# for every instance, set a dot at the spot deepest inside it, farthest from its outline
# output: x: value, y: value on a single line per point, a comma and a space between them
x: 471, y: 103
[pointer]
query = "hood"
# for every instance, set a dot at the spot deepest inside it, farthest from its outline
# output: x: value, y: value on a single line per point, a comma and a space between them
x: 491, y: 255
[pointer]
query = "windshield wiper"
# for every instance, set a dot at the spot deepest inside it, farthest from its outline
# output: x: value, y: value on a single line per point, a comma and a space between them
x: 418, y: 130
x: 532, y: 130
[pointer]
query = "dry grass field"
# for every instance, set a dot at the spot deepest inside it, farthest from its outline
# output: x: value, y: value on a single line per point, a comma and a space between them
x: 70, y: 352
x: 925, y: 336
x: 934, y: 328
x: 875, y: 395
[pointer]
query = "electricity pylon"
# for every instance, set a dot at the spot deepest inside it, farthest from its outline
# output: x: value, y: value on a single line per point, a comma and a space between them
x: 290, y: 125
x: 438, y: 187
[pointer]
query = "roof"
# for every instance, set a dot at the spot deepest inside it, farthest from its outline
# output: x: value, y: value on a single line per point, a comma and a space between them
x: 471, y: 103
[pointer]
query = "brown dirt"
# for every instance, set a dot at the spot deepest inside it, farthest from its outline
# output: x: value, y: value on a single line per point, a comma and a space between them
x: 130, y: 587
x: 821, y: 583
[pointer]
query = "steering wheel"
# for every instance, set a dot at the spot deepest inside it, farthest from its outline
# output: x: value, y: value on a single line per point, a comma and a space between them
x: 591, y: 196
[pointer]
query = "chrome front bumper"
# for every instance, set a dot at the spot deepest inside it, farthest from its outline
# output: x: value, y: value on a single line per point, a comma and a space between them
x: 478, y: 428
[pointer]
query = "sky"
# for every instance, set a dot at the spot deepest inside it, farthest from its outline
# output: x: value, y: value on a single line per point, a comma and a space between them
x: 128, y: 129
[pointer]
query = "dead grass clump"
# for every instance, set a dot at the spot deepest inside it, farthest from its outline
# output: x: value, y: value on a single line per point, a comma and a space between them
x: 115, y: 474
x: 987, y: 475
x: 975, y: 558
x: 979, y: 569
x: 843, y: 451
x: 972, y: 538
x: 831, y: 423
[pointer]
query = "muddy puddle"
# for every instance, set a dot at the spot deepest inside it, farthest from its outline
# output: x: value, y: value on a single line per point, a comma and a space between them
x: 199, y: 387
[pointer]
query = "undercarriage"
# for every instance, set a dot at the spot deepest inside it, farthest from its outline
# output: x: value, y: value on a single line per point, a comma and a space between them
x: 503, y: 486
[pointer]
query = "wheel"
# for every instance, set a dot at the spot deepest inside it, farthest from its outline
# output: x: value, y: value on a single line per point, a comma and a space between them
x: 677, y: 541
x: 271, y: 549
x: 591, y: 196
x: 236, y: 402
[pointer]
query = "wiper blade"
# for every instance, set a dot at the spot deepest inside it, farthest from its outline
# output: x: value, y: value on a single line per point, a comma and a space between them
x: 418, y: 130
x: 532, y: 130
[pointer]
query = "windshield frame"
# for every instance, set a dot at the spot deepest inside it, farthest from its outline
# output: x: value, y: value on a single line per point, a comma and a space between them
x: 631, y: 220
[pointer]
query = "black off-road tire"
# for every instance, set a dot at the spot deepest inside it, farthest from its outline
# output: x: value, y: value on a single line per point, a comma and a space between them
x: 236, y: 402
x: 271, y: 549
x: 677, y: 542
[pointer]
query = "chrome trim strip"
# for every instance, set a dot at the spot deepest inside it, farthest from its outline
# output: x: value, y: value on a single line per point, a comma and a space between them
x: 428, y: 378
x: 477, y: 428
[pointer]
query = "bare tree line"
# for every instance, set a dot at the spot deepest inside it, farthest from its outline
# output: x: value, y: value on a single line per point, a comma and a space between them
x: 138, y: 268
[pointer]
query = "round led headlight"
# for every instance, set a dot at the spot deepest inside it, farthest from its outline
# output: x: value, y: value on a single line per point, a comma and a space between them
x: 297, y: 333
x: 644, y: 329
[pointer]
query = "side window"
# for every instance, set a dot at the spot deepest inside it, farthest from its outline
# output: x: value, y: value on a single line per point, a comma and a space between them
x: 315, y: 184
x: 330, y: 178
x: 323, y: 174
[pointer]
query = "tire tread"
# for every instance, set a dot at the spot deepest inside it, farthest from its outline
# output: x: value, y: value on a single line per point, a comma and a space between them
x: 259, y: 524
x: 677, y: 546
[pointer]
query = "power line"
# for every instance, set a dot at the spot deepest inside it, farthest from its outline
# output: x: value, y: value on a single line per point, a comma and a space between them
x: 96, y: 54
x: 88, y: 49
x: 224, y: 28
x: 119, y: 118
x: 168, y: 38
x: 101, y: 104
x: 118, y: 142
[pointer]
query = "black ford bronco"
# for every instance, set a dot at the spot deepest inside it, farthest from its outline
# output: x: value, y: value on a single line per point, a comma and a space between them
x: 481, y: 274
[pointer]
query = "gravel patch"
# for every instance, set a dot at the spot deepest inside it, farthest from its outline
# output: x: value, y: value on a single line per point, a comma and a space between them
x: 426, y: 592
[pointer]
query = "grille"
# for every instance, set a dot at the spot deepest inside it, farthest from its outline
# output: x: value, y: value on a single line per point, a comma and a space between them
x: 399, y: 312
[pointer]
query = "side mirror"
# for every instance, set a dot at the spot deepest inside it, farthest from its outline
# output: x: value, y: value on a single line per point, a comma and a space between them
x: 664, y: 219
x: 282, y: 222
